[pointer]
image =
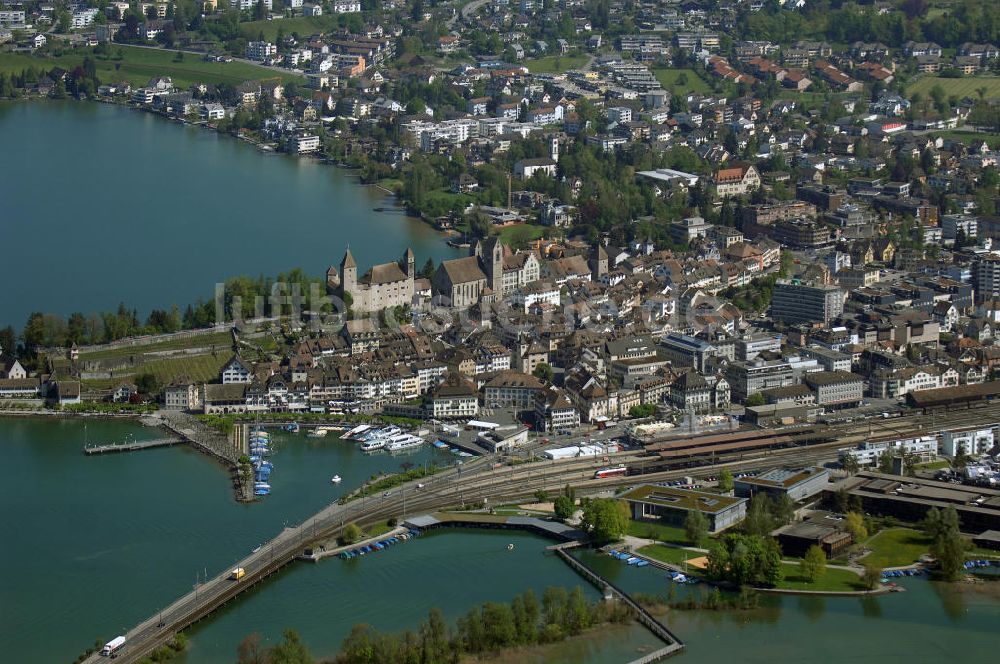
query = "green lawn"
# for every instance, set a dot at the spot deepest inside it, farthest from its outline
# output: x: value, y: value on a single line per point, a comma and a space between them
x: 932, y: 465
x: 967, y: 137
x: 963, y: 87
x: 519, y: 234
x: 668, y: 554
x: 303, y: 25
x: 555, y: 64
x: 223, y: 339
x: 657, y: 531
x: 377, y: 529
x: 896, y: 547
x: 834, y: 580
x: 141, y: 64
x: 668, y: 79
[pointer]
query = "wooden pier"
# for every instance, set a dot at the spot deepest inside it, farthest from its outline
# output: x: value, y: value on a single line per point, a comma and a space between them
x: 134, y: 446
x: 674, y: 644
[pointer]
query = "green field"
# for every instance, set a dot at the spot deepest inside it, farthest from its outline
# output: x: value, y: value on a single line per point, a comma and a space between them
x: 963, y: 87
x: 668, y: 79
x: 221, y: 339
x: 657, y: 531
x: 304, y: 26
x: 833, y: 580
x: 966, y: 137
x: 669, y: 554
x: 141, y: 64
x: 896, y: 547
x: 518, y: 234
x: 554, y: 64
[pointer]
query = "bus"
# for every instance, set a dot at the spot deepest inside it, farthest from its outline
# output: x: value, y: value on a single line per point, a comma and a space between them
x: 619, y: 471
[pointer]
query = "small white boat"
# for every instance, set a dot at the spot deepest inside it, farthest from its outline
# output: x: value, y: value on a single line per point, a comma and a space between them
x: 335, y: 479
x: 318, y: 432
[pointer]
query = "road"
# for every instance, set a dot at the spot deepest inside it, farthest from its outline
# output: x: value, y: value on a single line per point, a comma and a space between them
x: 466, y: 12
x: 482, y: 482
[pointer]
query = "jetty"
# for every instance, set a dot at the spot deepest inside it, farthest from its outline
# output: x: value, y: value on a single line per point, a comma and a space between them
x: 611, y: 591
x: 133, y: 446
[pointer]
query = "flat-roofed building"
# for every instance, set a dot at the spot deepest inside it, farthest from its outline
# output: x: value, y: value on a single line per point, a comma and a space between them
x: 750, y: 346
x: 670, y: 505
x: 797, y: 483
x: 969, y: 441
x: 910, y: 498
x: 802, y: 303
x: 797, y: 538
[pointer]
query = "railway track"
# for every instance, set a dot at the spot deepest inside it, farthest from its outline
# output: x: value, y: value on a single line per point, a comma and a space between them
x: 475, y: 482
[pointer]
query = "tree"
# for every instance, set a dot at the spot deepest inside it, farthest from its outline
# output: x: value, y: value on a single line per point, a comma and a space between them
x: 428, y: 270
x: 8, y: 341
x: 605, y: 519
x: 885, y: 462
x: 725, y: 481
x: 849, y: 463
x: 696, y: 527
x: 249, y: 650
x: 755, y: 399
x: 543, y: 372
x: 147, y: 383
x: 479, y: 224
x: 541, y: 496
x: 351, y: 534
x: 813, y: 565
x: 947, y: 546
x: 871, y: 577
x: 564, y: 507
x: 291, y: 650
x: 642, y: 410
x: 745, y: 560
x: 854, y: 523
x: 760, y: 519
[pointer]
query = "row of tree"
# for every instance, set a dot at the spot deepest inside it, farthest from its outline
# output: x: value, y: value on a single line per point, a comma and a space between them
x: 488, y: 628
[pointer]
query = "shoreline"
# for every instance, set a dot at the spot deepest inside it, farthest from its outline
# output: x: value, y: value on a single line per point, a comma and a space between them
x: 376, y: 203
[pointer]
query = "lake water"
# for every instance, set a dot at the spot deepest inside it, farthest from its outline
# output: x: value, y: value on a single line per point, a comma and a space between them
x: 107, y: 204
x: 96, y: 544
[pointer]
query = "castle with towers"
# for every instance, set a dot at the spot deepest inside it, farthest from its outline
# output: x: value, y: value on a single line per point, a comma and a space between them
x: 490, y: 272
x: 382, y: 287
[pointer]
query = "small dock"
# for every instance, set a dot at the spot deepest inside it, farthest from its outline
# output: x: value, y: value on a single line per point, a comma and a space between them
x: 673, y: 644
x: 135, y: 446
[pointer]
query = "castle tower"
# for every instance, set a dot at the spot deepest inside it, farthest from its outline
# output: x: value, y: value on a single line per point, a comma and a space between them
x: 410, y: 263
x: 332, y: 280
x: 348, y: 274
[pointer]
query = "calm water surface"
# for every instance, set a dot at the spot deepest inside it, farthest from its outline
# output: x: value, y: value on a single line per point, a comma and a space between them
x: 100, y: 543
x: 109, y: 205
